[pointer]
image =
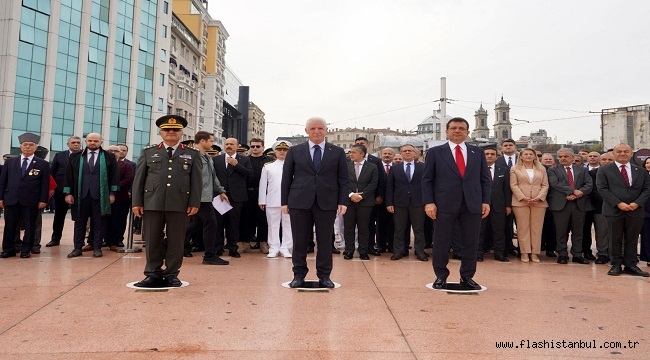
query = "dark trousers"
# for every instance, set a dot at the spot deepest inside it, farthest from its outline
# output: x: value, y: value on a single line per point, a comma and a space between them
x: 586, y: 232
x: 548, y: 232
x: 154, y: 230
x: 302, y: 223
x: 89, y: 209
x: 230, y: 222
x: 492, y: 228
x: 14, y: 215
x: 38, y: 229
x: 509, y: 232
x: 208, y: 224
x: 428, y: 232
x: 60, y: 211
x: 570, y: 218
x: 645, y: 240
x: 372, y: 226
x: 253, y: 225
x: 385, y: 229
x: 416, y: 216
x: 444, y: 227
x: 194, y: 234
x: 117, y: 222
x: 624, y: 236
x: 357, y: 216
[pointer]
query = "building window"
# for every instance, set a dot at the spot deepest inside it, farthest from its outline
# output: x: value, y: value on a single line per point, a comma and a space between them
x: 164, y: 31
x: 163, y: 55
x: 179, y: 93
x: 165, y: 7
x: 503, y: 116
x: 162, y: 80
x: 630, y: 131
x: 179, y: 112
x: 160, y: 104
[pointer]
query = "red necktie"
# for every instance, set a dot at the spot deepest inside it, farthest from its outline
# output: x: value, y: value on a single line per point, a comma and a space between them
x: 460, y: 161
x: 570, y: 176
x: 625, y: 177
x: 387, y: 169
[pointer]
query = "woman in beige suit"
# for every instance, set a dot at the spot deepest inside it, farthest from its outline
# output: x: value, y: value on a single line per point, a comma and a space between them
x: 529, y: 184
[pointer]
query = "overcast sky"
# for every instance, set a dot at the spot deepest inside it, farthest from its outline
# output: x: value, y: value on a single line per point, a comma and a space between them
x: 378, y: 63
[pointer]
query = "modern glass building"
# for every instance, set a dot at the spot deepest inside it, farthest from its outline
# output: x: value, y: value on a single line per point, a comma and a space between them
x: 71, y: 67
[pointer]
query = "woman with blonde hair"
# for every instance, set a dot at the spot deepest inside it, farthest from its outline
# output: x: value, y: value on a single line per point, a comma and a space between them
x: 529, y: 184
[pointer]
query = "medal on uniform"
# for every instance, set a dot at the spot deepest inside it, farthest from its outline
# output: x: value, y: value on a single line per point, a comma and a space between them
x: 185, y: 167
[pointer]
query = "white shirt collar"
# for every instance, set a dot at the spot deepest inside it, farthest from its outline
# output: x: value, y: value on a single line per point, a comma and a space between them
x: 29, y: 159
x: 322, y: 145
x: 452, y: 146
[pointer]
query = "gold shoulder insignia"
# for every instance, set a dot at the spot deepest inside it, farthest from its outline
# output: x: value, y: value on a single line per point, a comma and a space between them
x: 269, y: 162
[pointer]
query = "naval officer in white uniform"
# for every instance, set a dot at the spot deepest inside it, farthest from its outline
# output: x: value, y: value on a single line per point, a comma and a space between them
x: 269, y: 200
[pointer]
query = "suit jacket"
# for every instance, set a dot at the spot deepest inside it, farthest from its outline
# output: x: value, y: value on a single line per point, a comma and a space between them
x: 442, y: 184
x: 26, y: 190
x: 399, y: 191
x: 560, y: 189
x: 168, y: 184
x: 500, y: 193
x: 58, y: 166
x: 613, y: 189
x: 126, y: 180
x: 522, y: 187
x: 501, y: 161
x: 234, y: 178
x: 594, y: 196
x: 303, y: 186
x: 381, y: 175
x: 367, y: 183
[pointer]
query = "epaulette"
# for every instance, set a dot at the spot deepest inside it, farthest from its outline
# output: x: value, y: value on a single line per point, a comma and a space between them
x: 151, y: 146
x: 269, y: 162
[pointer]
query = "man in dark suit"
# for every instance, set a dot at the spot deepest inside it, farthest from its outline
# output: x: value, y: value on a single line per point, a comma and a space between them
x: 456, y: 191
x: 91, y: 181
x: 379, y: 191
x: 57, y: 168
x: 507, y: 159
x: 385, y: 225
x: 314, y: 188
x: 233, y: 171
x: 166, y: 192
x: 600, y: 221
x: 569, y: 187
x: 625, y: 188
x: 120, y: 207
x: 404, y: 201
x: 362, y: 182
x: 24, y: 189
x: 492, y: 227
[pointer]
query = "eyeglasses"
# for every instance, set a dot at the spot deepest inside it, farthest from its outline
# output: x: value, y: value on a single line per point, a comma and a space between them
x: 256, y: 146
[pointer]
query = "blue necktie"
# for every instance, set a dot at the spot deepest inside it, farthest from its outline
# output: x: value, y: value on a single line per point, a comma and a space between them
x: 408, y: 171
x: 317, y: 157
x: 24, y: 167
x: 509, y: 161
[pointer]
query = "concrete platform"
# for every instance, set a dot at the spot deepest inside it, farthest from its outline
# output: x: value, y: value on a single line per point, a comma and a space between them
x: 53, y: 307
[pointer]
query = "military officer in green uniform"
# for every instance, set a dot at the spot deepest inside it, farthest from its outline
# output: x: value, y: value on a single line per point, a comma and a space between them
x: 166, y: 191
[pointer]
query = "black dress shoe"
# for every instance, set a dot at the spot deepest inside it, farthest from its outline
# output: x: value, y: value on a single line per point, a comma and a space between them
x: 501, y: 258
x: 422, y: 257
x: 52, y: 243
x: 214, y: 261
x: 347, y: 254
x: 456, y: 257
x: 562, y: 260
x: 326, y: 282
x: 25, y: 255
x: 364, y: 257
x: 615, y: 270
x: 632, y: 270
x: 336, y: 251
x: 234, y: 254
x: 7, y: 254
x: 173, y: 281
x: 589, y: 256
x: 74, y: 253
x: 297, y: 282
x: 550, y: 254
x: 580, y: 260
x: 396, y: 256
x: 97, y: 253
x: 373, y: 251
x: 469, y: 283
x: 602, y: 259
x: 150, y: 282
x: 36, y: 250
x: 440, y: 283
x: 187, y: 254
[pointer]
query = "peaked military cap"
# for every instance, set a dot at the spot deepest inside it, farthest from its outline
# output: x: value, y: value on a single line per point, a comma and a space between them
x: 171, y: 122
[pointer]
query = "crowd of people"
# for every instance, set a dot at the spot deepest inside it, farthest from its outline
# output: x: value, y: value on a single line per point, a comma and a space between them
x: 457, y: 199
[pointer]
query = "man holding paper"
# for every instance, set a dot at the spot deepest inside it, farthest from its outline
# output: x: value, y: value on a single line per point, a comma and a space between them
x: 203, y: 141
